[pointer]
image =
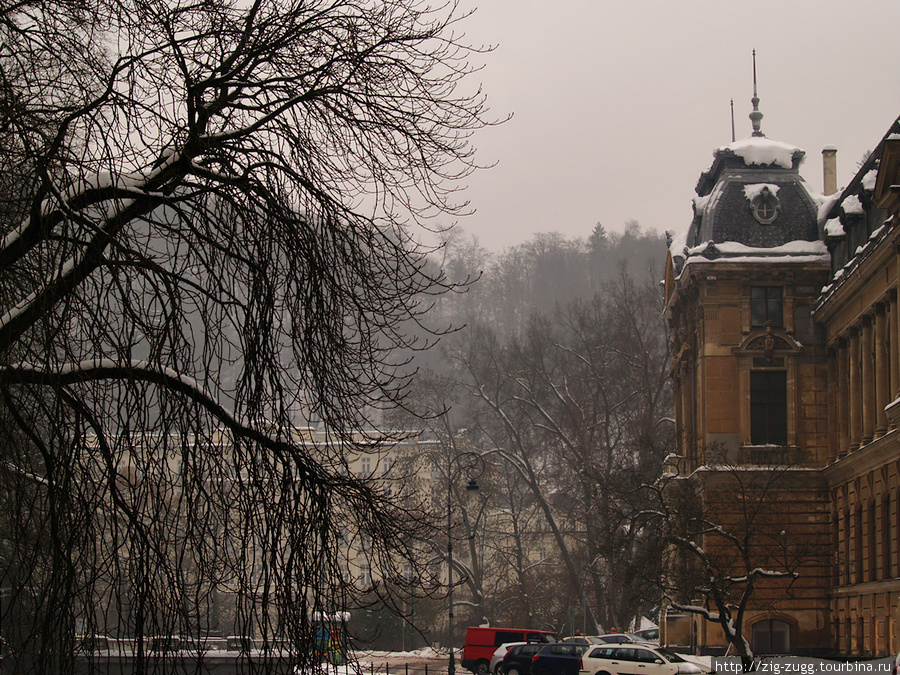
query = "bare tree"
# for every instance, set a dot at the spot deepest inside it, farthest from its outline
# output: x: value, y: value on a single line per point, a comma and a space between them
x: 205, y: 220
x: 574, y: 406
x: 730, y: 554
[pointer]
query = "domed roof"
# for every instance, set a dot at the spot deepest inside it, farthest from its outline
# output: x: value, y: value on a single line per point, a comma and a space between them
x: 754, y: 195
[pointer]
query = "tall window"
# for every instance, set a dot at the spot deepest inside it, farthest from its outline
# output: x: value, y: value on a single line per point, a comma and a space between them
x: 887, y: 545
x: 858, y: 537
x: 766, y: 306
x: 768, y: 407
x: 873, y: 542
x: 771, y: 636
x: 848, y: 547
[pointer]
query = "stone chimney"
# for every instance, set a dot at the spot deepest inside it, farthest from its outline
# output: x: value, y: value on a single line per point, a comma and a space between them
x: 829, y: 170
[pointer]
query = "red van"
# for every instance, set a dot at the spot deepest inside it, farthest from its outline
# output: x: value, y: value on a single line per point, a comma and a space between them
x: 481, y: 643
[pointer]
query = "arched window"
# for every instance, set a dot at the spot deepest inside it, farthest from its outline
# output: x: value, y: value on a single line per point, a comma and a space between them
x: 771, y: 636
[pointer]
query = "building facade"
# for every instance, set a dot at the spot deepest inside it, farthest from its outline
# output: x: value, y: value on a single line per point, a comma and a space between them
x: 782, y: 307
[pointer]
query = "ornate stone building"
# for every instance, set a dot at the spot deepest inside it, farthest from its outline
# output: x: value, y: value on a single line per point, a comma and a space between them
x: 782, y: 305
x: 859, y: 316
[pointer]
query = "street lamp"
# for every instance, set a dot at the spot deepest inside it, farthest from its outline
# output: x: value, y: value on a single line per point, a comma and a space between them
x: 470, y: 464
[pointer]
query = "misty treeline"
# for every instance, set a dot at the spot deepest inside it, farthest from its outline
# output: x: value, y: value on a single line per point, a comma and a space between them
x: 559, y: 380
x: 545, y: 272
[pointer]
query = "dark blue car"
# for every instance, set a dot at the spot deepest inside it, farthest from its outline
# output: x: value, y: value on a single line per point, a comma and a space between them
x: 558, y: 658
x: 518, y: 659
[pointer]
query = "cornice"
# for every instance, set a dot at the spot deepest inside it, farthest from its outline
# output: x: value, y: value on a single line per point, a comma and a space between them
x: 866, y: 588
x: 859, y: 273
x: 865, y: 460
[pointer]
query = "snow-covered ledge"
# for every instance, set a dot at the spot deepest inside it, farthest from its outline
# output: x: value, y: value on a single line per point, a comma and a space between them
x: 893, y: 411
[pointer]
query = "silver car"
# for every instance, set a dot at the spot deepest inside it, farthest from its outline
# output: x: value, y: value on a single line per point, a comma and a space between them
x: 634, y: 659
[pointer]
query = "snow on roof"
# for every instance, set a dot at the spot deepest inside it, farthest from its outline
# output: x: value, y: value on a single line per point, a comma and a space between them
x: 700, y: 203
x: 834, y: 228
x: 753, y: 190
x: 868, y: 181
x: 763, y: 151
x: 679, y: 242
x: 799, y: 251
x: 852, y: 206
x: 799, y: 247
x: 826, y: 205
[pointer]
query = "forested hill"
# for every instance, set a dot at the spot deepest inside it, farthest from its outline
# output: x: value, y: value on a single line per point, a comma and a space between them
x: 548, y: 271
x: 559, y: 379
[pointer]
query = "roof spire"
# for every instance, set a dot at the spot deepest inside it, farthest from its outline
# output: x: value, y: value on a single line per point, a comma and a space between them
x: 732, y: 121
x: 755, y: 116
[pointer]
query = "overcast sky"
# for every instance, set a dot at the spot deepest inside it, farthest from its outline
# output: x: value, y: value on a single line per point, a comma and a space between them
x: 618, y: 105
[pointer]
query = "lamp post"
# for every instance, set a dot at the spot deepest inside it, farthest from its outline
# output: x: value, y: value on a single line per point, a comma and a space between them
x: 471, y: 464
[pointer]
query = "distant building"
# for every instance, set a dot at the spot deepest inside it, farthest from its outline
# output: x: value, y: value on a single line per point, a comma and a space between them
x: 782, y: 306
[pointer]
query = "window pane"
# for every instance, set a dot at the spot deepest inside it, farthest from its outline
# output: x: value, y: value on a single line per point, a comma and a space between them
x: 766, y: 305
x: 774, y: 307
x: 761, y: 638
x: 757, y: 306
x: 781, y: 637
x: 768, y: 407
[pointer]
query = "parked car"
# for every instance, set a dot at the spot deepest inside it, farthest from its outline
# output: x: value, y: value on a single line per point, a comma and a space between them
x: 481, y: 643
x: 615, y: 638
x: 646, y: 635
x: 499, y: 653
x: 558, y: 658
x: 609, y: 638
x: 584, y: 639
x: 627, y: 659
x: 518, y: 660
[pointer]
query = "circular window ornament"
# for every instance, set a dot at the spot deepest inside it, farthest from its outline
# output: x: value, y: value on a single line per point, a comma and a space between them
x: 764, y: 202
x: 765, y: 211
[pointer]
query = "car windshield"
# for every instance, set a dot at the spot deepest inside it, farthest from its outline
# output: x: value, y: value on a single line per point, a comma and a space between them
x: 671, y: 657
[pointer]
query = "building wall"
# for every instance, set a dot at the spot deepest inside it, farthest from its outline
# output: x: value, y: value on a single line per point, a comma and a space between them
x: 843, y: 374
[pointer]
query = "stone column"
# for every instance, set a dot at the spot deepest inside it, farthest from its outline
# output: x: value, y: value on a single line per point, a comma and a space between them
x: 867, y: 382
x: 895, y: 524
x: 895, y: 337
x: 677, y: 393
x: 855, y: 399
x: 687, y: 413
x: 882, y: 371
x: 893, y: 329
x: 834, y: 422
x: 843, y: 397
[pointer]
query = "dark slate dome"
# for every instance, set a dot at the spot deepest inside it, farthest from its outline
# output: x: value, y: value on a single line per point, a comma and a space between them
x: 754, y: 195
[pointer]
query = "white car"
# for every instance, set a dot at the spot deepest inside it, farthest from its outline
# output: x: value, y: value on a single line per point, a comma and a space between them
x: 634, y: 659
x: 646, y: 635
x: 499, y: 653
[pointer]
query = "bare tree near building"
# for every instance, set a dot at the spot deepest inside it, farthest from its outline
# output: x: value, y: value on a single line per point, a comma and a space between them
x: 729, y: 553
x: 206, y: 219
